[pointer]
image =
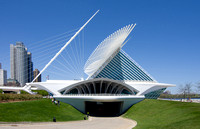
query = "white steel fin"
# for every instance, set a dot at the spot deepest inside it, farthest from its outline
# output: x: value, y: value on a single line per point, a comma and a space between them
x: 63, y: 47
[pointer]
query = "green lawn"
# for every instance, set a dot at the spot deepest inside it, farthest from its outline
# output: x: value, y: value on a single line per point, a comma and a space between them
x: 161, y: 114
x: 38, y: 110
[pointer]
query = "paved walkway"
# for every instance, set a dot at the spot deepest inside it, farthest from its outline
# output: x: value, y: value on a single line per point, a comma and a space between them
x: 92, y: 123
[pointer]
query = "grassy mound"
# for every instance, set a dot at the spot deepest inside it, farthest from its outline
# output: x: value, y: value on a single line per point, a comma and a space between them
x: 38, y: 110
x: 161, y: 114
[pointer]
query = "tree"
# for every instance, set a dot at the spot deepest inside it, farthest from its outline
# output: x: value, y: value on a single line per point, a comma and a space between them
x: 198, y: 87
x: 186, y: 89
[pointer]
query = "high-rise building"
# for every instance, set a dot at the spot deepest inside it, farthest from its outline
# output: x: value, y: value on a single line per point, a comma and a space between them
x: 35, y: 73
x: 30, y: 67
x: 3, y: 76
x: 21, y: 66
x: 12, y: 62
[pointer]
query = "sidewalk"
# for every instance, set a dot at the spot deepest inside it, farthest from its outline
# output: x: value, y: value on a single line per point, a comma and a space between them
x: 92, y: 123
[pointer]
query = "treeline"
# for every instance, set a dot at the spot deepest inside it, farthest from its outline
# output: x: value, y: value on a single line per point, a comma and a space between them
x: 18, y: 97
x: 179, y: 96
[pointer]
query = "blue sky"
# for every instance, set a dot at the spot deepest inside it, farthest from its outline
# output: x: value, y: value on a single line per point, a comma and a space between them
x: 165, y: 41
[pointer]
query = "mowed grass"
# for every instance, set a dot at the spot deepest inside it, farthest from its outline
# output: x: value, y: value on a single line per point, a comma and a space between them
x: 38, y: 111
x: 161, y: 114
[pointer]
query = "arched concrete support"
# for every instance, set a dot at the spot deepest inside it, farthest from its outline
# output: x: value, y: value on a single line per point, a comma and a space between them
x: 100, y: 86
x: 79, y: 101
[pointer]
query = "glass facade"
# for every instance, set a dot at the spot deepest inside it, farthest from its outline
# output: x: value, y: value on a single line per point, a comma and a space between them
x: 154, y: 94
x: 21, y: 65
x: 121, y: 67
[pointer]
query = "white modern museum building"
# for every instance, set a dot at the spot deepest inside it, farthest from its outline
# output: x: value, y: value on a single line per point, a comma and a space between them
x: 115, y: 81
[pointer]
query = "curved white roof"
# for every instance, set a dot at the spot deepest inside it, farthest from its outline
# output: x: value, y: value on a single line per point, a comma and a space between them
x: 106, y: 48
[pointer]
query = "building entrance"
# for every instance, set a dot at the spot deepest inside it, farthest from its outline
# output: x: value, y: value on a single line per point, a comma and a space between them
x: 103, y: 108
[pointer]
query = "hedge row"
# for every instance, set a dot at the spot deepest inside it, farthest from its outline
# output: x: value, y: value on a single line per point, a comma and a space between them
x: 20, y: 97
x: 41, y: 92
x: 177, y: 96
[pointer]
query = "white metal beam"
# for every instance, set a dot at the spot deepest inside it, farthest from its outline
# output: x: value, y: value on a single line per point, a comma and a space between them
x: 64, y: 47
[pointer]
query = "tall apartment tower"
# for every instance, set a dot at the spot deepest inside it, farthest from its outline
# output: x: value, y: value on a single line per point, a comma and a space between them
x: 35, y: 73
x: 30, y: 66
x: 3, y: 76
x: 21, y: 66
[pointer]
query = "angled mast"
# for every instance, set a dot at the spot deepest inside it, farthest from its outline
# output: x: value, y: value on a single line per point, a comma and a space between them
x: 58, y: 53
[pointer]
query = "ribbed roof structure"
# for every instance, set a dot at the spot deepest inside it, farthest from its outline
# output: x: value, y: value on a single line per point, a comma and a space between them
x: 109, y: 61
x: 106, y: 48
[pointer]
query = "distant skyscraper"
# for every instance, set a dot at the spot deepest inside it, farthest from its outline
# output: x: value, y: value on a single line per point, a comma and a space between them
x: 3, y: 76
x: 21, y: 65
x: 30, y: 67
x: 35, y: 73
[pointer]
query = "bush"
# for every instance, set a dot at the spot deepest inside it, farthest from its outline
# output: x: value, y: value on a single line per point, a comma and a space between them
x: 179, y: 96
x: 23, y: 92
x: 12, y: 97
x: 41, y: 92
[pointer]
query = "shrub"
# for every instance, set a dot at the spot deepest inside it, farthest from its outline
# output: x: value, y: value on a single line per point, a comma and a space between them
x: 23, y: 92
x: 41, y: 92
x: 6, y: 97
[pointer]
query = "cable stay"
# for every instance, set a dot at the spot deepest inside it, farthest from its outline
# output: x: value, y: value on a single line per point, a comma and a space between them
x: 62, y: 65
x: 58, y: 53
